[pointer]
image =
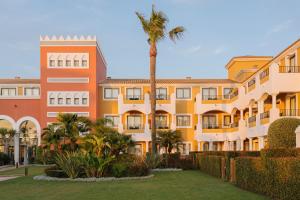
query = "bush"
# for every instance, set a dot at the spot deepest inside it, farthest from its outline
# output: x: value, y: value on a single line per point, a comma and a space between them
x: 70, y: 163
x: 272, y: 153
x: 278, y: 178
x: 153, y: 160
x: 4, y: 159
x: 138, y: 167
x: 210, y: 165
x: 120, y: 169
x: 44, y: 156
x: 54, y: 171
x: 281, y: 133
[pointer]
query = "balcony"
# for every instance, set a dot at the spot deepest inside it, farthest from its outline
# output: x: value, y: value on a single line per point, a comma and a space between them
x: 264, y: 117
x: 134, y: 97
x: 214, y: 98
x: 289, y: 113
x: 162, y: 97
x: 219, y: 128
x: 289, y: 69
x: 252, y: 121
x: 137, y: 128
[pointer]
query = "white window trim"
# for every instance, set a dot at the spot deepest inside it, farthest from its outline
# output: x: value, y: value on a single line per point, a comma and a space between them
x: 107, y: 87
x: 134, y: 87
x: 183, y: 87
x: 67, y: 94
x: 54, y: 114
x: 191, y: 120
x: 55, y: 55
x: 114, y: 115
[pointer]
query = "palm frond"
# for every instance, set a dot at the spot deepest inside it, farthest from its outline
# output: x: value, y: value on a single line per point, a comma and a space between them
x: 176, y: 33
x: 144, y: 22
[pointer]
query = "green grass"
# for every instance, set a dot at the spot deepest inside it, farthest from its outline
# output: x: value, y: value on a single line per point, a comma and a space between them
x: 165, y: 185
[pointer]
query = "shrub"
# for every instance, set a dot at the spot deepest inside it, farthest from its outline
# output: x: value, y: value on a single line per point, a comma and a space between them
x: 54, y: 171
x: 4, y: 159
x: 45, y: 156
x: 278, y: 178
x: 153, y: 160
x: 281, y: 133
x: 270, y: 153
x: 138, y: 167
x: 210, y: 165
x: 70, y: 163
x: 120, y: 169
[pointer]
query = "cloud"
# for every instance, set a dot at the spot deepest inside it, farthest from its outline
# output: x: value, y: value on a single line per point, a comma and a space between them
x: 194, y: 49
x: 219, y: 50
x: 280, y: 27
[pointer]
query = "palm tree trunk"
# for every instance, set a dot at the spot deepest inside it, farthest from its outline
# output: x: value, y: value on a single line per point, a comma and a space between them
x: 153, y: 53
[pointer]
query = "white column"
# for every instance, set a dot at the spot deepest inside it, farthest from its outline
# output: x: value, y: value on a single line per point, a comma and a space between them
x: 274, y: 112
x: 210, y: 147
x: 250, y: 144
x: 120, y: 125
x: 147, y: 146
x: 173, y: 124
x: 225, y: 145
x: 297, y: 137
x: 17, y: 148
x: 199, y: 146
x: 238, y: 144
x: 260, y: 108
x: 232, y: 118
x: 242, y: 145
x: 260, y: 143
x: 250, y: 111
x: 199, y: 123
x: 147, y: 124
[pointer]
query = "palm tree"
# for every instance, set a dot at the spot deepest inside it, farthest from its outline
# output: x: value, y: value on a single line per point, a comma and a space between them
x: 52, y: 135
x: 169, y: 140
x: 7, y: 135
x: 155, y: 29
x: 96, y: 144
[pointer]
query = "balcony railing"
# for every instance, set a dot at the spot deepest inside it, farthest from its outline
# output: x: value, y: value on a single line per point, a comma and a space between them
x: 134, y: 97
x: 219, y: 97
x: 135, y: 127
x: 234, y: 125
x: 290, y: 112
x: 162, y: 97
x: 265, y: 115
x: 216, y: 126
x: 252, y: 119
x: 289, y: 69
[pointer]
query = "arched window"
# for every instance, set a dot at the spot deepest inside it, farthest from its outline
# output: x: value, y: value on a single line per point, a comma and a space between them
x: 60, y: 99
x: 51, y: 61
x: 68, y: 99
x: 84, y: 99
x: 60, y: 62
x: 51, y: 99
x: 68, y: 61
x: 76, y: 99
x: 76, y: 61
x: 84, y: 61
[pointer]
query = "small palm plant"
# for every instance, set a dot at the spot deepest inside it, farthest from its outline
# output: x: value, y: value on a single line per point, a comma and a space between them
x: 169, y: 140
x: 52, y: 135
x: 155, y: 29
x: 7, y: 136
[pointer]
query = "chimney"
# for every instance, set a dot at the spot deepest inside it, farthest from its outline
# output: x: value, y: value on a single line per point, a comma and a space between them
x: 188, y: 77
x: 17, y: 77
x: 108, y: 77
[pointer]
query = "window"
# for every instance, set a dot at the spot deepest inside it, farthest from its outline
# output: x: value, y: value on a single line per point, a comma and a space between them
x: 84, y: 63
x: 113, y: 120
x: 111, y: 93
x: 226, y: 120
x: 8, y: 91
x: 68, y: 63
x: 183, y: 93
x: 161, y: 122
x: 76, y: 63
x: 210, y: 121
x: 133, y: 93
x: 183, y: 120
x: 161, y: 93
x: 34, y: 91
x: 68, y: 101
x: 52, y: 101
x: 134, y: 122
x: 292, y: 61
x: 76, y: 101
x: 60, y: 63
x: 293, y: 111
x: 60, y: 100
x: 252, y: 82
x: 84, y: 101
x: 138, y: 149
x: 209, y: 93
x: 52, y: 63
x: 227, y: 93
x: 185, y: 148
x: 264, y: 73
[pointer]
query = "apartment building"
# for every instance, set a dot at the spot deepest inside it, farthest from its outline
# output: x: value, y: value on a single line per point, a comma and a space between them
x: 212, y: 114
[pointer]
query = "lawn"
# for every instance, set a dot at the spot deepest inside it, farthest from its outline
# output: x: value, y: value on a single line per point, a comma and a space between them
x: 164, y: 185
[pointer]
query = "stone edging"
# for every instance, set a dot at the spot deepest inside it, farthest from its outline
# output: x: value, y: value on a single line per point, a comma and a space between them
x: 166, y: 170
x: 48, y: 178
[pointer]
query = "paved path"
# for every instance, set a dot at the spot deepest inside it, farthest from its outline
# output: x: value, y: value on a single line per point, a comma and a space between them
x: 5, y: 178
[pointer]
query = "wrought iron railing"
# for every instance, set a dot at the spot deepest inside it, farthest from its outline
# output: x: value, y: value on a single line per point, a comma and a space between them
x: 289, y: 69
x: 290, y: 112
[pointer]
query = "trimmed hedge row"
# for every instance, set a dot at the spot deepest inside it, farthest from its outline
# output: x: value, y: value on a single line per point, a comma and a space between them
x: 278, y: 178
x: 4, y: 159
x: 210, y: 165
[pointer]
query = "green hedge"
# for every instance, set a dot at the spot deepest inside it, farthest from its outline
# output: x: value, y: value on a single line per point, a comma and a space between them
x: 274, y: 153
x: 4, y: 159
x: 281, y: 133
x: 210, y: 165
x: 278, y: 178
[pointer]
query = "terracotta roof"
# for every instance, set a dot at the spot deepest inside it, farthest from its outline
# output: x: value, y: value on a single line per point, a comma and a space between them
x: 19, y: 81
x: 169, y: 81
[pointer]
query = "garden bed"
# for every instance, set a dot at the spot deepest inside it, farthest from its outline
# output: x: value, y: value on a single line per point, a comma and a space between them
x: 102, y: 179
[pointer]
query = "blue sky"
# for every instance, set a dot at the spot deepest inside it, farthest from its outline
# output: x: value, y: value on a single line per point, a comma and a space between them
x: 216, y: 31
